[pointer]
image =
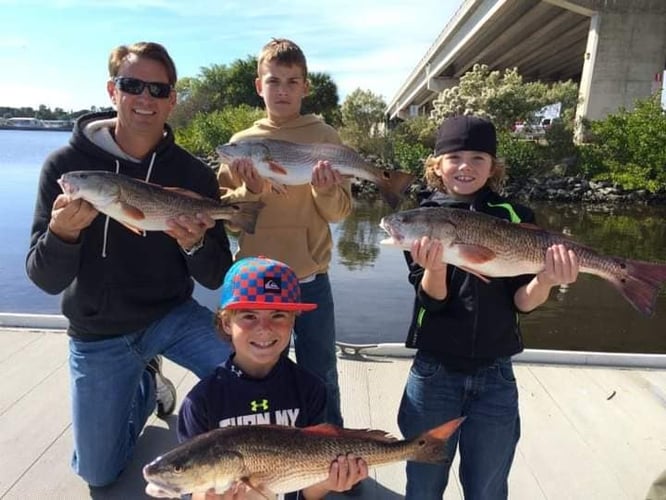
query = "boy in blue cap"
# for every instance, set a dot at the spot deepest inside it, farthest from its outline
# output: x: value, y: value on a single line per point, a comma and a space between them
x: 257, y: 384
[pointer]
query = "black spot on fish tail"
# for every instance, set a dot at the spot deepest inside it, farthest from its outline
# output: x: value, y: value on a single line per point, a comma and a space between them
x: 432, y: 444
x: 640, y: 284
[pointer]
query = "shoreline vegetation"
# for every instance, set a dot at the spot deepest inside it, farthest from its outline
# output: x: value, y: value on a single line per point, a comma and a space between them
x: 553, y: 186
x: 621, y: 159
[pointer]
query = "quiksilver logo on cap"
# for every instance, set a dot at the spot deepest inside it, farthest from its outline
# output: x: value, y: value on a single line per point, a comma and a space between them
x: 272, y: 285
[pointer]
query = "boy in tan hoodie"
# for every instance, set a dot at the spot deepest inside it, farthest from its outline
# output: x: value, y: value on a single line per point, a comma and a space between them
x: 294, y: 227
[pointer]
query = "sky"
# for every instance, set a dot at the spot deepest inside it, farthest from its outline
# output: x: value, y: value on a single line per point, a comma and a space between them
x: 55, y: 52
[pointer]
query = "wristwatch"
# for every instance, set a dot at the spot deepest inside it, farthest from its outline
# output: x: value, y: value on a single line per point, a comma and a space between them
x: 194, y: 248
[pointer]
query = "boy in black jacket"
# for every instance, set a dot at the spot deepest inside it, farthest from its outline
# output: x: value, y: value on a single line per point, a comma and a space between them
x: 466, y: 330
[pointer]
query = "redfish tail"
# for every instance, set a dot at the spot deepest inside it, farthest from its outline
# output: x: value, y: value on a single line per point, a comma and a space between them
x: 432, y: 444
x: 641, y: 285
x: 392, y: 184
x: 245, y: 217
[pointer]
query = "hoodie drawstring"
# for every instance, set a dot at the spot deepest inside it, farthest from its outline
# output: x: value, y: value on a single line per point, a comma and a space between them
x: 150, y: 167
x: 106, y: 222
x: 150, y: 170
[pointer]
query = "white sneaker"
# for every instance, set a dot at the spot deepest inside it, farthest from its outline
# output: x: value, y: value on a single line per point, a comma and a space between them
x: 165, y: 391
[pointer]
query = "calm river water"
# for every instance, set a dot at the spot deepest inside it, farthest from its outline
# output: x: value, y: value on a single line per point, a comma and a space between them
x: 372, y: 296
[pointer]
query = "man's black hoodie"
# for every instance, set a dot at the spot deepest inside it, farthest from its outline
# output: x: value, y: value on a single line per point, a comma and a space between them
x: 115, y: 281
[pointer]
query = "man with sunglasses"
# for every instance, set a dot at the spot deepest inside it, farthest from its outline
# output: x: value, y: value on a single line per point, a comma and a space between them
x: 128, y: 297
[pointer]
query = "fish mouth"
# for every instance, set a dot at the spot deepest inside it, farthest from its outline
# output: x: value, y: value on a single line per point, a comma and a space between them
x: 395, y: 238
x: 224, y: 156
x: 157, y: 490
x: 157, y: 487
x: 67, y: 187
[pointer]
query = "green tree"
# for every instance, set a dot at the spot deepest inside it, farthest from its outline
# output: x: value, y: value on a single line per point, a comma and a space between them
x: 627, y: 147
x: 240, y: 87
x: 219, y: 86
x: 362, y: 114
x: 208, y: 130
x: 322, y: 98
x: 502, y: 97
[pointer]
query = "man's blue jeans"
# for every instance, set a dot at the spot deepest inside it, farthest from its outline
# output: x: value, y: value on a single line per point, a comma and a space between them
x: 487, y: 438
x: 314, y: 341
x: 113, y: 394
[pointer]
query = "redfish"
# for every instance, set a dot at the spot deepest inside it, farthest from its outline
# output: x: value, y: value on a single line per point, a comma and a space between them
x: 273, y: 459
x: 142, y: 206
x: 491, y: 247
x: 289, y: 163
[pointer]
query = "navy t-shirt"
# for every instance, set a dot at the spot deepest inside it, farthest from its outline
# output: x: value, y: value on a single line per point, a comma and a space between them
x: 288, y: 395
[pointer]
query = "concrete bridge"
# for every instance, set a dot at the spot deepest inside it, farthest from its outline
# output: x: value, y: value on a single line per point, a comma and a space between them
x: 614, y: 49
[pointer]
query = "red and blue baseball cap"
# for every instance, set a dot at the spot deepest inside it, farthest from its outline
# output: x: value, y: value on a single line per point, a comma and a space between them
x: 262, y: 283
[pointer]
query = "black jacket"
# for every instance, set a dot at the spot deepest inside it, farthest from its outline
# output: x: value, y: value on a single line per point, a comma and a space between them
x: 477, y: 322
x: 141, y: 278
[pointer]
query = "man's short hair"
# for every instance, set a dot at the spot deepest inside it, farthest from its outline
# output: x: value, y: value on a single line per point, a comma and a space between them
x: 148, y: 50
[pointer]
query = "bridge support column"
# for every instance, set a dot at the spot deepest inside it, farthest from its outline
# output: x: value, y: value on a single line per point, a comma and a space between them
x: 625, y: 50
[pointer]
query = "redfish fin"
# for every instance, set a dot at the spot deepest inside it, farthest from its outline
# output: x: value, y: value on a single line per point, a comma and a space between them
x: 331, y: 430
x: 478, y: 275
x: 392, y: 184
x: 131, y: 211
x: 134, y: 229
x: 475, y: 254
x: 432, y: 443
x: 259, y: 491
x: 275, y: 167
x: 246, y: 216
x: 641, y: 285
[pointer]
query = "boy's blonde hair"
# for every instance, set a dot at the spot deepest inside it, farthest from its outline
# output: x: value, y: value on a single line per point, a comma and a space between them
x: 147, y: 50
x: 282, y: 51
x: 434, y: 181
x: 220, y: 317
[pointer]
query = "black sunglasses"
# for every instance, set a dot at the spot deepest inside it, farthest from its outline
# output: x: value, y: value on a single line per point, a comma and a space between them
x: 135, y: 86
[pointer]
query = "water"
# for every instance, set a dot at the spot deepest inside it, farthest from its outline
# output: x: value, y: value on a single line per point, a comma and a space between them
x: 373, y: 299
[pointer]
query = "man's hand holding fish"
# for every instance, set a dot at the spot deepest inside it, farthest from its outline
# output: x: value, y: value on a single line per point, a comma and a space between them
x: 69, y: 217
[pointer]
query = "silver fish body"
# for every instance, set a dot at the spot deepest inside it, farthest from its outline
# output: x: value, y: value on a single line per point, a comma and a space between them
x: 142, y: 206
x: 492, y: 247
x: 289, y: 163
x: 280, y: 459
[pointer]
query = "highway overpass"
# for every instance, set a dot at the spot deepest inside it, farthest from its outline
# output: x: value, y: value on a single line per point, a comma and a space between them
x: 614, y: 49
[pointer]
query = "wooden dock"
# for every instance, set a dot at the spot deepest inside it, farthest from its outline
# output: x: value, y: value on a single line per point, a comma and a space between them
x: 587, y: 432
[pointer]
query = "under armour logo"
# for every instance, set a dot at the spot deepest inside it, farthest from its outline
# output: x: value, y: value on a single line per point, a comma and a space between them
x: 236, y: 371
x: 259, y: 405
x: 273, y: 285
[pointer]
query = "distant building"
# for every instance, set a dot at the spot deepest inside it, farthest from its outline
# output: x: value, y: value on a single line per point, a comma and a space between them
x: 28, y: 123
x: 21, y: 122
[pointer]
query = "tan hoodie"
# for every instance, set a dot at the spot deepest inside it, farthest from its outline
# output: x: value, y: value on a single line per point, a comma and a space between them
x: 293, y: 228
